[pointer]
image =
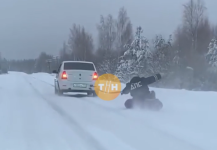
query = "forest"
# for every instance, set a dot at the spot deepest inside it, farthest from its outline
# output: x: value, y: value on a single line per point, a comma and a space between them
x: 188, y: 56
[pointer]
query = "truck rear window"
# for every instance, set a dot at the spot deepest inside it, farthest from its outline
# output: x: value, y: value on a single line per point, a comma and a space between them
x: 78, y: 66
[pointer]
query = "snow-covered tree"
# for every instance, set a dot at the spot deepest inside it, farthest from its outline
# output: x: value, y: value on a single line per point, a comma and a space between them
x: 176, y: 59
x: 211, y: 56
x: 108, y: 64
x: 136, y: 60
x: 162, y: 54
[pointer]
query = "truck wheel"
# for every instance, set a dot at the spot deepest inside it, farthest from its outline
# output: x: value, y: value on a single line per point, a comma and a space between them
x: 55, y: 88
x: 95, y: 94
x: 59, y: 92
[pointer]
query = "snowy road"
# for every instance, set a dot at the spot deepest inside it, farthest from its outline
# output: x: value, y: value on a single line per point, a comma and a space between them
x: 32, y: 117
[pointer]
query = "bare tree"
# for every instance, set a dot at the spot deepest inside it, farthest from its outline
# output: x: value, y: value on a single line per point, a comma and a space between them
x: 181, y: 43
x: 112, y: 36
x: 215, y: 31
x: 193, y: 15
x: 81, y: 43
x: 124, y: 30
x: 106, y: 33
x: 204, y: 35
x: 64, y: 53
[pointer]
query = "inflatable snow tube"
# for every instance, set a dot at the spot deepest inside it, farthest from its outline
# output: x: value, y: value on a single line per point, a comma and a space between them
x: 150, y: 104
x: 129, y: 103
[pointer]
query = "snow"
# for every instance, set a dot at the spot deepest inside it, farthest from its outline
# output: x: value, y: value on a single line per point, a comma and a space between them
x: 97, y: 133
x: 45, y: 77
x: 33, y: 117
x: 190, y: 68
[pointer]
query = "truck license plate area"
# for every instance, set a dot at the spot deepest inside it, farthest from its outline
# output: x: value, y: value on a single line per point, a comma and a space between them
x: 80, y: 85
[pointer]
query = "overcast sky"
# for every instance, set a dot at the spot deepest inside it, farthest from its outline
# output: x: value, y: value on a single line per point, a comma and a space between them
x: 28, y: 27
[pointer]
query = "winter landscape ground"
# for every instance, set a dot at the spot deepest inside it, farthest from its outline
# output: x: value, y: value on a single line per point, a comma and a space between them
x: 33, y: 118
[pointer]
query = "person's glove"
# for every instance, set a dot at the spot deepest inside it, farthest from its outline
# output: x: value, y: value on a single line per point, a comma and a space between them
x: 122, y: 92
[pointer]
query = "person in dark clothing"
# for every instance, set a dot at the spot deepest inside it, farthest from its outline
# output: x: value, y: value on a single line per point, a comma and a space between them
x: 138, y: 87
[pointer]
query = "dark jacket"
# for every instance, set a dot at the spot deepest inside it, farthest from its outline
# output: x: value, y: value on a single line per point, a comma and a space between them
x: 138, y: 87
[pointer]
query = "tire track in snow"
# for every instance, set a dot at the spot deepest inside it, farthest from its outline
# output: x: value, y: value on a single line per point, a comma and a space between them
x: 142, y: 121
x: 74, y: 125
x: 42, y: 81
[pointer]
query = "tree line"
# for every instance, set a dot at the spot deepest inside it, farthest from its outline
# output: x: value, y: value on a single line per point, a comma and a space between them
x: 189, y: 56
